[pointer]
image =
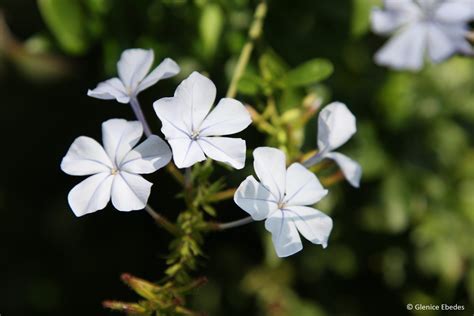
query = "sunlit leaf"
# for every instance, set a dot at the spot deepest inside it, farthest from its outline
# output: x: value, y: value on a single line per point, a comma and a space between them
x: 210, y: 28
x: 310, y: 72
x: 66, y: 21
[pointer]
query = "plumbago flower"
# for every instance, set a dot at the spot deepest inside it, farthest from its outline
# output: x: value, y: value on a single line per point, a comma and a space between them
x: 281, y: 198
x: 336, y: 124
x: 437, y: 28
x: 114, y: 169
x: 133, y: 70
x: 194, y: 131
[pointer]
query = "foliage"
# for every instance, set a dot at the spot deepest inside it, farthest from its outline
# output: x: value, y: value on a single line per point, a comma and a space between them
x: 408, y: 229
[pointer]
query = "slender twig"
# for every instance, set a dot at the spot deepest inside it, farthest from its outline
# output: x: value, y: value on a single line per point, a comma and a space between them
x: 260, y: 122
x: 224, y: 226
x: 163, y: 221
x: 222, y: 195
x: 333, y: 179
x: 254, y: 33
x: 137, y: 109
x: 188, y: 178
x: 178, y: 176
x: 314, y: 159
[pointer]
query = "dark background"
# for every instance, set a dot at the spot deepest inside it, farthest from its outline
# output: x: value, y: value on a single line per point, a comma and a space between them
x: 404, y: 237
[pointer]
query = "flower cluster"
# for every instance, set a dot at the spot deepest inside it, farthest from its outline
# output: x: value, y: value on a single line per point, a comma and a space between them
x: 195, y: 131
x: 435, y: 28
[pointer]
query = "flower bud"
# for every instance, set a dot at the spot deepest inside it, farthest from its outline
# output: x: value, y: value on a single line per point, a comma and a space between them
x: 143, y: 288
x: 124, y: 307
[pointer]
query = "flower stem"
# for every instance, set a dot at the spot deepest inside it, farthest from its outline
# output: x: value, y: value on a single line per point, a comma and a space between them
x: 137, y: 109
x: 223, y: 195
x: 237, y: 223
x: 311, y: 161
x: 163, y: 221
x: 333, y: 179
x: 254, y: 33
x: 188, y: 178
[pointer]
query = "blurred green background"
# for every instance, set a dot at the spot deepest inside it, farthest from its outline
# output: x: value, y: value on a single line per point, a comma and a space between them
x: 406, y: 236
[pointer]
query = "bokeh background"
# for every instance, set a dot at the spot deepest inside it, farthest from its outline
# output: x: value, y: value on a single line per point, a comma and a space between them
x: 406, y: 236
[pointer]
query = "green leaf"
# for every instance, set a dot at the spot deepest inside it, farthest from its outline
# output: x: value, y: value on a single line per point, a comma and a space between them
x: 209, y: 210
x: 250, y: 84
x: 310, y: 72
x: 271, y: 66
x: 210, y: 27
x: 360, y: 21
x: 290, y: 98
x: 66, y: 21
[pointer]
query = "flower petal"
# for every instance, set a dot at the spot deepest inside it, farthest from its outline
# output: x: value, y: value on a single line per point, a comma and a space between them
x: 270, y: 167
x: 85, y: 157
x: 196, y: 94
x: 130, y: 192
x: 384, y: 22
x: 90, y: 195
x: 455, y: 11
x: 119, y: 136
x: 147, y: 157
x: 405, y: 50
x: 166, y: 69
x: 170, y: 113
x: 312, y: 224
x: 336, y: 124
x: 255, y: 199
x: 440, y: 46
x: 285, y: 236
x: 186, y: 152
x: 351, y: 169
x: 401, y: 5
x: 228, y: 117
x: 225, y: 149
x: 109, y: 90
x: 133, y: 66
x: 302, y: 186
x: 456, y: 34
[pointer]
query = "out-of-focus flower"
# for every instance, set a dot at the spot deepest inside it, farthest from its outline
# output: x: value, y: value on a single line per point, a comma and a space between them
x: 194, y: 131
x: 281, y: 198
x: 133, y: 70
x: 114, y: 169
x: 336, y: 124
x: 435, y: 28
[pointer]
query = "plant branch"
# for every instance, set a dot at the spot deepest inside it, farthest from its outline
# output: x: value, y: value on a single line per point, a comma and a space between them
x: 333, y: 179
x: 163, y: 221
x: 223, y: 226
x: 254, y: 33
x: 137, y: 109
x: 314, y: 159
x: 223, y: 195
x: 178, y: 176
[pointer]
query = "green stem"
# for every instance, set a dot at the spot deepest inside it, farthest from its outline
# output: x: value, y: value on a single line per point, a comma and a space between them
x: 223, y: 226
x: 163, y: 221
x: 254, y: 33
x: 223, y: 195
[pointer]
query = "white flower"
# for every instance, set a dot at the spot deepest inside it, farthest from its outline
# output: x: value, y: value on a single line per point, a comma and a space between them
x: 336, y: 124
x: 436, y: 28
x: 133, y: 67
x: 114, y: 168
x: 194, y: 131
x: 280, y: 198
